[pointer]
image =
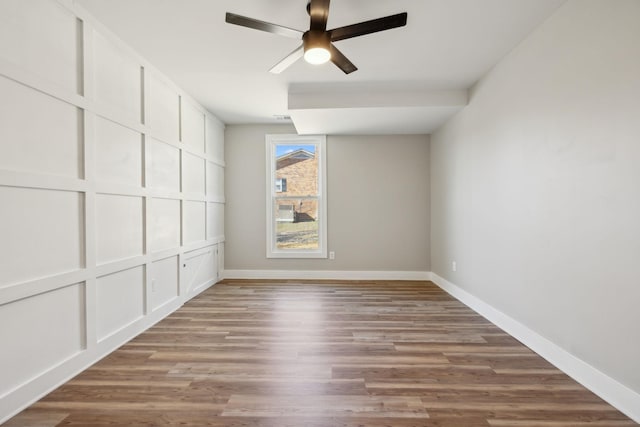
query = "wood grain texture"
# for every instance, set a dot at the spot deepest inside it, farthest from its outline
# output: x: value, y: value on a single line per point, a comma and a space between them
x: 328, y: 353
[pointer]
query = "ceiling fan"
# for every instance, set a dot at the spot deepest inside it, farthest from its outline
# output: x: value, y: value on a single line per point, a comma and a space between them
x: 317, y: 43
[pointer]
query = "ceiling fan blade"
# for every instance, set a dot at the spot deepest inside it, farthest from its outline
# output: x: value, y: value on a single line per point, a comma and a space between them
x: 288, y: 60
x: 243, y: 21
x: 368, y: 27
x: 319, y: 12
x: 341, y: 61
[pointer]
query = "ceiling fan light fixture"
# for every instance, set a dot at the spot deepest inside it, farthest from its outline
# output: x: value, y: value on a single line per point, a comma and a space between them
x: 317, y: 43
x: 316, y: 47
x: 317, y: 55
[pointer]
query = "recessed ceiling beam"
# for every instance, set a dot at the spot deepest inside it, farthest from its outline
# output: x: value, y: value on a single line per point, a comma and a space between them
x: 314, y: 96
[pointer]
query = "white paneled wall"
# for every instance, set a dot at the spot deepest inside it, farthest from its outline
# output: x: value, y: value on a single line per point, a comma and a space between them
x: 42, y: 234
x: 111, y: 196
x: 164, y: 281
x: 45, y: 116
x: 60, y: 310
x: 197, y: 266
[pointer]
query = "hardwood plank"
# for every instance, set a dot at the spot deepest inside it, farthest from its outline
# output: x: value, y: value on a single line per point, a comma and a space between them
x: 35, y: 418
x: 317, y: 406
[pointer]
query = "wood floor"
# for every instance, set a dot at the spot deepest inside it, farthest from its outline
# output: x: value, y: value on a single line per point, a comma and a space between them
x: 320, y: 354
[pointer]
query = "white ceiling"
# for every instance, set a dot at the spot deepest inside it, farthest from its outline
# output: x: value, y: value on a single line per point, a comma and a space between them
x: 409, y: 80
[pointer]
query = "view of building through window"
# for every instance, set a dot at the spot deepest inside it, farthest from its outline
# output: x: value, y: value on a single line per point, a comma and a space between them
x: 296, y: 196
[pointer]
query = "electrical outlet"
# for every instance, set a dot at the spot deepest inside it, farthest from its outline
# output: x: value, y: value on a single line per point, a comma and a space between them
x: 332, y: 255
x: 153, y: 285
x: 454, y: 266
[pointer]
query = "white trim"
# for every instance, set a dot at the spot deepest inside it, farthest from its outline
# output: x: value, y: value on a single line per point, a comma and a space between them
x: 20, y: 290
x: 618, y: 395
x: 320, y: 141
x: 326, y: 275
x: 216, y: 199
x: 9, y: 178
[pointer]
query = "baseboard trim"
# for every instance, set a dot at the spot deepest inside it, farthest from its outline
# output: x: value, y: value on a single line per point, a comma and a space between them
x: 326, y: 275
x: 618, y: 395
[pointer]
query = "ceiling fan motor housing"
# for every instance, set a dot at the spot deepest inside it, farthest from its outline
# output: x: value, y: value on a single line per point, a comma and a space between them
x: 316, y: 39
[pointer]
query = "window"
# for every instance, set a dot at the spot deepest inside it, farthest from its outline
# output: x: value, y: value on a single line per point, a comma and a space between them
x: 296, y: 196
x: 281, y: 185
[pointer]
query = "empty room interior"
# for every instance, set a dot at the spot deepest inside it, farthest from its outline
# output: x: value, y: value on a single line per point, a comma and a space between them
x: 312, y: 213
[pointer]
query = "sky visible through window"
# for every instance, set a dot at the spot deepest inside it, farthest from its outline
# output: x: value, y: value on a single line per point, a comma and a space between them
x: 287, y: 148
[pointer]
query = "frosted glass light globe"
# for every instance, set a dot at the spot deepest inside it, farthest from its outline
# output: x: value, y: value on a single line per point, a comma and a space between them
x: 317, y: 55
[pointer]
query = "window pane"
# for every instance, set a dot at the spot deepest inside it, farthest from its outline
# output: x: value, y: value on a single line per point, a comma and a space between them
x: 296, y: 171
x: 296, y: 196
x: 296, y: 223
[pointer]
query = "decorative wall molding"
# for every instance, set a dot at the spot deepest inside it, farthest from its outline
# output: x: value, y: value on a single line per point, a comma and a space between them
x: 106, y: 112
x: 610, y: 390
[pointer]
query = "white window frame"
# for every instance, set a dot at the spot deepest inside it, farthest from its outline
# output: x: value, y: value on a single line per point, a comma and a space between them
x: 285, y: 139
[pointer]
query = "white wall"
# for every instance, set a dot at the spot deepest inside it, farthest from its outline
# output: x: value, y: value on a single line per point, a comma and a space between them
x: 377, y: 195
x: 111, y: 196
x: 536, y: 187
